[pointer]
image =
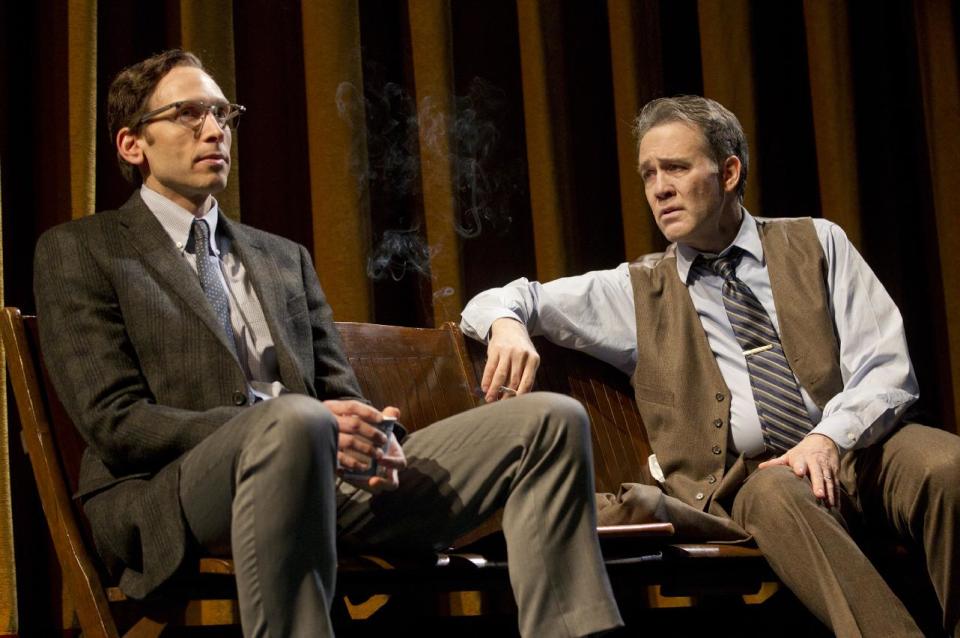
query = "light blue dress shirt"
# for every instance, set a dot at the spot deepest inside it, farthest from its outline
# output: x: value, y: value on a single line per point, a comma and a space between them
x: 595, y: 313
x: 255, y: 348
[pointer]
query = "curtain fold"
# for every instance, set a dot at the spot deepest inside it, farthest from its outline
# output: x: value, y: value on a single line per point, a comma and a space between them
x: 82, y: 92
x: 337, y: 144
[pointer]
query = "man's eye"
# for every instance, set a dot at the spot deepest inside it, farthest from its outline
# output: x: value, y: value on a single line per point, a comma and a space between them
x: 221, y: 112
x: 190, y: 112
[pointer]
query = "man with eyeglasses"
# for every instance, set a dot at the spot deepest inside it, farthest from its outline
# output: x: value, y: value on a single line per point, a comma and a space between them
x: 199, y: 359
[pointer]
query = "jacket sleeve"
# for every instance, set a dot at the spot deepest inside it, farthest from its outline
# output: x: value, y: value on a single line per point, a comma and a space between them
x: 334, y: 377
x: 93, y: 364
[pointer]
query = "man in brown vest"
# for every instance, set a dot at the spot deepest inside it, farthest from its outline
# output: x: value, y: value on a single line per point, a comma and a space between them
x: 771, y: 370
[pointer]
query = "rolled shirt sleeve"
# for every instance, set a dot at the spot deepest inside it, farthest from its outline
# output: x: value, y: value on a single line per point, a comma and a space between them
x: 878, y: 379
x: 593, y: 313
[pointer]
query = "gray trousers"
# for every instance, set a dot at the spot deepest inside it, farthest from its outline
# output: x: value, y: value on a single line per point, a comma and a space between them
x: 910, y: 484
x: 263, y: 486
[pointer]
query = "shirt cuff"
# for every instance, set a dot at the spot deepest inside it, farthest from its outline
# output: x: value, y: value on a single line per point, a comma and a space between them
x: 843, y: 429
x: 478, y: 326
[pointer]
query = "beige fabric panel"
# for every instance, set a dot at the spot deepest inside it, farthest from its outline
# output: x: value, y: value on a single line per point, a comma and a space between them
x: 206, y: 28
x: 831, y: 99
x: 940, y: 88
x: 82, y: 105
x: 727, y: 62
x: 340, y: 199
x: 635, y: 81
x: 543, y: 117
x: 432, y: 43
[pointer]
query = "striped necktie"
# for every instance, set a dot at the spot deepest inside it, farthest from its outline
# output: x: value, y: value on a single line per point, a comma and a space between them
x: 783, y: 415
x: 210, y: 279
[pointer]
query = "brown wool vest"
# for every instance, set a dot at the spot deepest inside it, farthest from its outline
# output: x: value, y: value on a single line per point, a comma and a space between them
x: 682, y: 397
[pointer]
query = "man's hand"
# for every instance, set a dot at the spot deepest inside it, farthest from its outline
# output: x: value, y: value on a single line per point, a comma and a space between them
x: 815, y: 456
x: 512, y: 361
x: 360, y: 441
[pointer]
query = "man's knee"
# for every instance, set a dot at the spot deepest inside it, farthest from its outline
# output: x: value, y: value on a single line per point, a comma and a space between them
x: 929, y: 458
x: 557, y: 414
x: 299, y: 429
x: 772, y: 494
x: 940, y: 471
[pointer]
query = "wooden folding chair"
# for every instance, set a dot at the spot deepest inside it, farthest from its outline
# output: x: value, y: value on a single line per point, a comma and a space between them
x: 55, y: 448
x: 424, y: 372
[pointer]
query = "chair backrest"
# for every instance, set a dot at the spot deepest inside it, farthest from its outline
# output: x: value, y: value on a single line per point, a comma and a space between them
x: 55, y: 447
x: 620, y: 443
x: 425, y: 372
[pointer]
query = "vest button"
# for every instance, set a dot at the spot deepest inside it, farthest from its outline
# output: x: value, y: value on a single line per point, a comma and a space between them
x: 711, y: 479
x: 239, y: 398
x: 699, y: 496
x: 716, y: 449
x: 719, y: 396
x: 718, y: 423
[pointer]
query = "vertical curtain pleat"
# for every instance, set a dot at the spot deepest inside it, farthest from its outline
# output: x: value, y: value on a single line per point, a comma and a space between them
x: 206, y: 28
x: 637, y: 78
x: 831, y: 97
x: 431, y: 39
x: 82, y: 92
x: 727, y: 60
x: 940, y: 88
x: 545, y: 122
x: 336, y: 139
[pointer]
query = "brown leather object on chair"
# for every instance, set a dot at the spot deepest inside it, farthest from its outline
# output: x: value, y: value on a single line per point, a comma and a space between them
x: 55, y: 447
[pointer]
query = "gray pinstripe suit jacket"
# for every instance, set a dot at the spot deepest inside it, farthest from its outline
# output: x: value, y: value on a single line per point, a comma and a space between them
x: 143, y: 369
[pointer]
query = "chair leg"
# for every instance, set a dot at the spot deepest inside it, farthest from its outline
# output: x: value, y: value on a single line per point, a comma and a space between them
x: 146, y: 628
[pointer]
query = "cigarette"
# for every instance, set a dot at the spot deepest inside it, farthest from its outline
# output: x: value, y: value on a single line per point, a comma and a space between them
x: 510, y: 391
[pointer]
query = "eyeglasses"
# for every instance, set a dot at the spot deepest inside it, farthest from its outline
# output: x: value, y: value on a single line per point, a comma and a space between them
x: 193, y: 113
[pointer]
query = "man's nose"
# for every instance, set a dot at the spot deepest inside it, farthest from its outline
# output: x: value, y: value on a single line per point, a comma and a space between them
x: 663, y: 186
x: 210, y: 129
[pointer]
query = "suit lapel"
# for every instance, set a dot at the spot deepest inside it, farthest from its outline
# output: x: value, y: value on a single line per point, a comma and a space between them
x: 144, y: 232
x: 265, y: 276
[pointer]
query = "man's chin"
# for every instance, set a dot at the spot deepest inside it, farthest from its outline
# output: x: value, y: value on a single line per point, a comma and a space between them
x: 214, y: 186
x: 674, y: 232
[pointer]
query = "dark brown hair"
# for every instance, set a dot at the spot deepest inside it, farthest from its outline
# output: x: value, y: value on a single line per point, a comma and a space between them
x: 131, y: 90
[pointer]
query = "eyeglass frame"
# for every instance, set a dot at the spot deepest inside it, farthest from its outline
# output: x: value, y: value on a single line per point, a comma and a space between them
x: 238, y: 110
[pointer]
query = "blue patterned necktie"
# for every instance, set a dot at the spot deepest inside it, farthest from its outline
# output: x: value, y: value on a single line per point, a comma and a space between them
x: 210, y: 279
x: 783, y: 415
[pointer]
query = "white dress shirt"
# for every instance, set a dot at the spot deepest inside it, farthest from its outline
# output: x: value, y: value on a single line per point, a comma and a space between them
x: 255, y: 348
x: 595, y: 313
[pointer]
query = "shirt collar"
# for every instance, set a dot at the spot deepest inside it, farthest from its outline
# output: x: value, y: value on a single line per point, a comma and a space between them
x: 747, y: 239
x: 177, y: 220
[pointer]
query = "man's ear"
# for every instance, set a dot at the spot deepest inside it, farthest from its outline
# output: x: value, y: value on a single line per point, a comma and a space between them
x: 730, y: 173
x: 128, y: 146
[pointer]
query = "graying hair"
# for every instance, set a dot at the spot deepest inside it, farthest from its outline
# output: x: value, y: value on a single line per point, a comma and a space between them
x: 719, y: 126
